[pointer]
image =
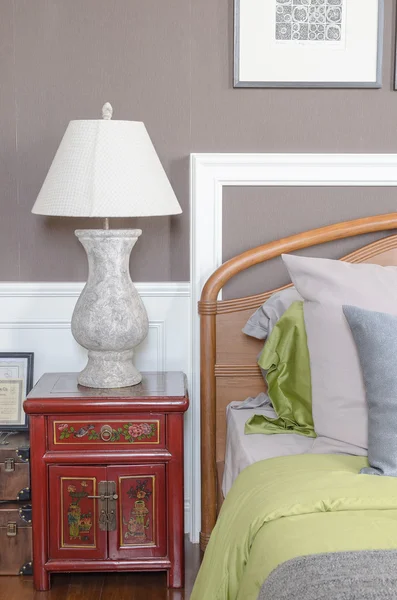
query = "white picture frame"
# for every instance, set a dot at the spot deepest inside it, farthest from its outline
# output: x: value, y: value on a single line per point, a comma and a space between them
x: 308, y: 43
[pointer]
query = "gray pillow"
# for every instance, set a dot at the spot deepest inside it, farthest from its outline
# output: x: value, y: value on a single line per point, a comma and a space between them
x: 375, y: 336
x: 261, y: 323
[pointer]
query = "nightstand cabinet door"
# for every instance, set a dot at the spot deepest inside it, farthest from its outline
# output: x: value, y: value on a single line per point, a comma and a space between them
x: 74, y: 530
x: 141, y: 529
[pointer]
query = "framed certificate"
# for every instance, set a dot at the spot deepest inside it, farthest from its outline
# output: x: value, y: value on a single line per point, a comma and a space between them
x: 16, y: 381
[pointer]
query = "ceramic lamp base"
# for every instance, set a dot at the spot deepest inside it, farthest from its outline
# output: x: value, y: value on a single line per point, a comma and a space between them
x: 109, y: 370
x: 109, y: 319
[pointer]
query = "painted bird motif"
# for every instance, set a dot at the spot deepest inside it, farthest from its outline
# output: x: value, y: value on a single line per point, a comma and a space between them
x: 83, y: 431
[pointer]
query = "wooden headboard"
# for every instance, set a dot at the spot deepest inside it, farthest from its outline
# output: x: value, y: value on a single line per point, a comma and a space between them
x: 228, y: 357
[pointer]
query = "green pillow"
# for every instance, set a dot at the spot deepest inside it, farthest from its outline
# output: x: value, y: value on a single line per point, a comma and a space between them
x: 285, y: 356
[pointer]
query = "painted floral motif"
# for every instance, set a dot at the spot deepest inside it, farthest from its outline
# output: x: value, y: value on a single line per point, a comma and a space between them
x: 79, y: 523
x: 139, y: 520
x: 67, y: 431
x: 133, y: 432
x: 128, y: 432
x: 141, y: 490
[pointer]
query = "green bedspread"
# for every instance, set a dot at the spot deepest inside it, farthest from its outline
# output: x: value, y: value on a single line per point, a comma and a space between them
x: 292, y: 506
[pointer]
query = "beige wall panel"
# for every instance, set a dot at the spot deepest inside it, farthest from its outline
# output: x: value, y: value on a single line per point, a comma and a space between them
x: 9, y: 230
x: 255, y: 215
x: 72, y: 56
x: 169, y: 64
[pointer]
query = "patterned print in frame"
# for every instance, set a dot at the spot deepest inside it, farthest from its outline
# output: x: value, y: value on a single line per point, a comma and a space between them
x: 78, y: 512
x: 137, y: 510
x: 320, y: 21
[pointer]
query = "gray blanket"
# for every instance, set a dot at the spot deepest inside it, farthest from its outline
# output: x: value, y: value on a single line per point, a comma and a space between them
x: 364, y: 575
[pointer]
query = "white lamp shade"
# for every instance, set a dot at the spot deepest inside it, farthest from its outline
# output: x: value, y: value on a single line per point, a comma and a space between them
x: 106, y: 168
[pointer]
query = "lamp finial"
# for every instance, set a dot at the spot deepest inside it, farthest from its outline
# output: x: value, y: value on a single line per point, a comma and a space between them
x: 107, y: 111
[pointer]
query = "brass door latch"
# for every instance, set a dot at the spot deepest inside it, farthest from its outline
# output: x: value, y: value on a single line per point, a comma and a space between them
x: 107, y: 498
x: 9, y: 465
x: 11, y: 529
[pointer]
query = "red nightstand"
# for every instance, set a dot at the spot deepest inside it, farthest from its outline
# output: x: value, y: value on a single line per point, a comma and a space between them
x: 107, y: 476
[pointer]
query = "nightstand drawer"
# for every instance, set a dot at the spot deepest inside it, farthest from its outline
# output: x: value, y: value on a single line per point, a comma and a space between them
x: 88, y: 431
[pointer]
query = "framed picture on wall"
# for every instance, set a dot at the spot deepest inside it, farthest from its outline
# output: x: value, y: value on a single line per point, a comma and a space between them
x: 16, y: 381
x: 308, y: 43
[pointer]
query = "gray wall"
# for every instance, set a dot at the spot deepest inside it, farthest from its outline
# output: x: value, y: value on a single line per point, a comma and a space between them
x: 168, y: 63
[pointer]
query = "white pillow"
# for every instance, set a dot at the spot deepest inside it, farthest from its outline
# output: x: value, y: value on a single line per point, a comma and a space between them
x: 338, y: 395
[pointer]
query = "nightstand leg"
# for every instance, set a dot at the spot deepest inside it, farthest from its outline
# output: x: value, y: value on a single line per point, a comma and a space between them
x: 175, y: 576
x: 41, y: 580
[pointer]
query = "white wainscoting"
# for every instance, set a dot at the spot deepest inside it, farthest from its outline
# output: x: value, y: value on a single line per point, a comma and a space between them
x: 35, y: 317
x: 209, y: 175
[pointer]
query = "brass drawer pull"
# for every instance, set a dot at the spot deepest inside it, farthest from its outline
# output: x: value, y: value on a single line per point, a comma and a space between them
x: 106, y: 433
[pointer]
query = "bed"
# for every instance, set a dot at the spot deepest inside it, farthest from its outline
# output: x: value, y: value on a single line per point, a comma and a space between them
x: 229, y: 373
x: 243, y: 450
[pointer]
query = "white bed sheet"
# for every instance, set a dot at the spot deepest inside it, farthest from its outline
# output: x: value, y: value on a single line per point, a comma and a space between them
x: 244, y: 450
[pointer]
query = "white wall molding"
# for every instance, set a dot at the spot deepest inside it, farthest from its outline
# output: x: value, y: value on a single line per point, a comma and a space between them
x: 209, y: 175
x: 35, y: 317
x: 159, y: 328
x: 73, y: 290
x: 36, y: 324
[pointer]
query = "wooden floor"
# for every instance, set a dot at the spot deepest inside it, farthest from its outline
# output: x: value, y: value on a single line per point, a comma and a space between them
x: 108, y: 586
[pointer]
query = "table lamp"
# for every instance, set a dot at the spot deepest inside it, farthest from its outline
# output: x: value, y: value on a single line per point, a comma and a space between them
x: 107, y: 168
